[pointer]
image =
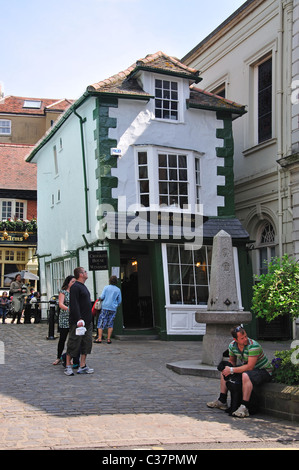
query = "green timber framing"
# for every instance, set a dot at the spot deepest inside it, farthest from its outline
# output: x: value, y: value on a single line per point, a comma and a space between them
x: 106, y: 182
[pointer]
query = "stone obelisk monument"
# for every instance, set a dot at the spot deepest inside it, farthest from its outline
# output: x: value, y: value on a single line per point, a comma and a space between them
x: 223, y: 311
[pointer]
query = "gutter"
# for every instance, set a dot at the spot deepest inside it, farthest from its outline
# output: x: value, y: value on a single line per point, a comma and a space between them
x: 57, y: 126
x: 86, y: 189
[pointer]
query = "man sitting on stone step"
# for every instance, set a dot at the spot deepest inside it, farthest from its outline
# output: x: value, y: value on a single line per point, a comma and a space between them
x: 255, y: 369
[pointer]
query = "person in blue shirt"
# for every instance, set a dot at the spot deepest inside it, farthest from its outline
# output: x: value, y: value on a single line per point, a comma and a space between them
x: 111, y: 298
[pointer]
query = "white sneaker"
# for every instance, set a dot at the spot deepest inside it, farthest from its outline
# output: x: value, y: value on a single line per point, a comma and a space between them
x: 217, y: 404
x: 241, y: 412
x: 68, y: 370
x: 85, y: 370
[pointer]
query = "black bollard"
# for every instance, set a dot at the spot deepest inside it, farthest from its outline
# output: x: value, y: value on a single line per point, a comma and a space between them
x: 27, y: 313
x: 52, y: 309
x: 37, y: 313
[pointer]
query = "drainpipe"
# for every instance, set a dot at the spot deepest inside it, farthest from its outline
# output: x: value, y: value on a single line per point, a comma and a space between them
x: 86, y: 189
x: 279, y: 95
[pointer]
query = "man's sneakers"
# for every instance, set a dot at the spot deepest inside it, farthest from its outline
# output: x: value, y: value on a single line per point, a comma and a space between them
x: 68, y: 370
x: 241, y: 412
x: 217, y: 404
x: 85, y: 370
x: 82, y: 370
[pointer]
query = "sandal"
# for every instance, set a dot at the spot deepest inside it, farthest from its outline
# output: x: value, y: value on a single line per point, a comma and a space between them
x: 97, y: 340
x: 58, y: 361
x: 109, y: 341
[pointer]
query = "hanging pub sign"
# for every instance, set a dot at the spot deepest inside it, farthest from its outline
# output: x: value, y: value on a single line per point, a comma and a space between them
x: 97, y: 260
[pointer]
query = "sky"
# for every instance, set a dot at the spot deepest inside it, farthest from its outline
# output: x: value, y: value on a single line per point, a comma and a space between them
x: 55, y: 49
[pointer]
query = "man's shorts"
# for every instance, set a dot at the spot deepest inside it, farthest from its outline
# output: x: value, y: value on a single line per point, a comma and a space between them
x: 258, y: 376
x: 76, y: 344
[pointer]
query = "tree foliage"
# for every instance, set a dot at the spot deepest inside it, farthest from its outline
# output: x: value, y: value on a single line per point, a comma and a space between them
x: 277, y: 292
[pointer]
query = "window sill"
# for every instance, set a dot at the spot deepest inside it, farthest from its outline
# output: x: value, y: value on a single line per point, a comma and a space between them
x: 258, y: 147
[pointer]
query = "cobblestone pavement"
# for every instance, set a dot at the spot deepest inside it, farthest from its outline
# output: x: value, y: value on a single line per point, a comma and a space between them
x: 132, y: 399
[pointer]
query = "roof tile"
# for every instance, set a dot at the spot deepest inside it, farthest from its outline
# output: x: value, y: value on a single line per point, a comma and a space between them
x: 15, y: 105
x: 16, y: 173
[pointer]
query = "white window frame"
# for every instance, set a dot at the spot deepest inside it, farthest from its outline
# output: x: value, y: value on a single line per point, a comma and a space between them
x: 56, y: 170
x: 153, y: 175
x: 180, y: 100
x: 13, y: 208
x: 256, y: 87
x: 5, y: 127
x: 269, y: 247
x: 251, y: 65
x: 207, y: 249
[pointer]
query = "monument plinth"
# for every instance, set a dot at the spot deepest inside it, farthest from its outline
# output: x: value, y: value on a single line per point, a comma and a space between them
x: 223, y: 310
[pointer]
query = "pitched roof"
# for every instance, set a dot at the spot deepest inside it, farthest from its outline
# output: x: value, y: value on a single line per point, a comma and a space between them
x: 205, y: 100
x: 125, y: 82
x: 145, y: 228
x: 15, y: 105
x: 16, y: 173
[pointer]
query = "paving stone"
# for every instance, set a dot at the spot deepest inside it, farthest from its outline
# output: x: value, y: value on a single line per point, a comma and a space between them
x: 132, y: 399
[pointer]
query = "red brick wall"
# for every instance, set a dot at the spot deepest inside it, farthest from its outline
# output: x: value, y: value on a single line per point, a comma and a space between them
x: 31, y: 210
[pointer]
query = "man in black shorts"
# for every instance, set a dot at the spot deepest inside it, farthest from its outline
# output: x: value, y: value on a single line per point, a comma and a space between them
x: 80, y: 316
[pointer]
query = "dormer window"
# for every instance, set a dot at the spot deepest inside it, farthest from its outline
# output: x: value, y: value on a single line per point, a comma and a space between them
x: 166, y: 100
x: 34, y: 104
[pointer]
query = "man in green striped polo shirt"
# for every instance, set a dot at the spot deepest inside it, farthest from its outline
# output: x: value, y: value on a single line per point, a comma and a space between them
x: 247, y: 358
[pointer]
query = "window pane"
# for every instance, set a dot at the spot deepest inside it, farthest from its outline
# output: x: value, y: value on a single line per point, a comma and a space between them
x: 173, y: 174
x: 201, y: 276
x: 183, y: 188
x: 142, y: 158
x: 168, y: 91
x: 144, y: 200
x: 183, y: 202
x: 142, y: 172
x: 162, y: 160
x: 186, y: 256
x: 172, y: 254
x: 202, y: 295
x: 144, y: 186
x: 189, y: 295
x: 163, y: 188
x: 188, y: 273
x: 162, y: 174
x: 182, y: 161
x: 183, y: 175
x: 174, y: 274
x: 172, y: 161
x: 265, y: 100
x: 175, y: 294
x: 177, y: 186
x: 173, y: 188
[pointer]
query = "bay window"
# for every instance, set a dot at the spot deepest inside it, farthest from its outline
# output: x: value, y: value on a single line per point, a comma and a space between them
x: 168, y: 178
x: 188, y: 274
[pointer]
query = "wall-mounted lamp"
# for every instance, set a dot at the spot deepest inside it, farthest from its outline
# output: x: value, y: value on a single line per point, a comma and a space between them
x: 26, y: 234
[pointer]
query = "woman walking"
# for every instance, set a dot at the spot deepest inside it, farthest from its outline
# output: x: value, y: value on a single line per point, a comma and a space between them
x: 19, y: 292
x: 111, y: 298
x: 63, y: 321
